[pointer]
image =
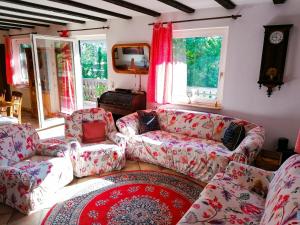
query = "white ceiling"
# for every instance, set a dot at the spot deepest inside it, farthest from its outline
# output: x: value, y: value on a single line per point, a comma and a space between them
x: 150, y: 4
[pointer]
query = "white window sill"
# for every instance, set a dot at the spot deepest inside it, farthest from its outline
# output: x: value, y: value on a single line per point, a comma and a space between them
x: 199, y: 105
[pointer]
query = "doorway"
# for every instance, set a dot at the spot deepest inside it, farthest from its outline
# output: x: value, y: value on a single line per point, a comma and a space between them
x: 57, y: 78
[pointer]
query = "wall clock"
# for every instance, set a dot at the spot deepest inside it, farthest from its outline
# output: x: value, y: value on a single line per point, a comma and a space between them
x: 274, y: 56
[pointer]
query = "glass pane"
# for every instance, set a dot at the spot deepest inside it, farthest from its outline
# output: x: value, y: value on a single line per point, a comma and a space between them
x: 57, y: 77
x: 93, y: 57
x: 23, y: 62
x: 201, y: 56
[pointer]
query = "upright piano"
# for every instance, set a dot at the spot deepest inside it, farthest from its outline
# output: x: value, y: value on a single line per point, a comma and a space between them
x: 122, y: 102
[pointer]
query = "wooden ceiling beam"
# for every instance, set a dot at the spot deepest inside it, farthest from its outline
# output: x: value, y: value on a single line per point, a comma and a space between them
x: 32, y: 19
x: 227, y: 4
x: 10, y: 27
x: 91, y: 8
x: 178, y: 5
x: 54, y: 9
x: 276, y: 2
x: 42, y: 15
x: 15, y: 25
x: 134, y: 7
x: 23, y: 22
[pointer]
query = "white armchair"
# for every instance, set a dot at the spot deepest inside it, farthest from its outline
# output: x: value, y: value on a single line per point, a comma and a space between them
x: 29, y: 172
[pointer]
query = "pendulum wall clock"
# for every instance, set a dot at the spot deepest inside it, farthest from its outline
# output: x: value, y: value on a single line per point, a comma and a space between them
x: 274, y: 56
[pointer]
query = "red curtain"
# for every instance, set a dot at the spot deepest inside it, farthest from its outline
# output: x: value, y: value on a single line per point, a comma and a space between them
x: 8, y: 61
x: 67, y: 98
x: 160, y: 72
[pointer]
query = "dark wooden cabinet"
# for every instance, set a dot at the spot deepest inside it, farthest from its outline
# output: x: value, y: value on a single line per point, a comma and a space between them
x: 122, y: 103
x: 3, y: 83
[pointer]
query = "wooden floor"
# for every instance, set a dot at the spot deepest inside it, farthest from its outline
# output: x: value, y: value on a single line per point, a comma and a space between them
x: 12, y: 217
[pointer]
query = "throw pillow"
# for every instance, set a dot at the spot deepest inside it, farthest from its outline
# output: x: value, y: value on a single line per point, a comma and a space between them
x: 148, y: 121
x: 233, y: 136
x: 93, y: 131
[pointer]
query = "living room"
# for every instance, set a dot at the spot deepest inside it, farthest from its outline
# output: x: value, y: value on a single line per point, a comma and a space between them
x: 206, y: 71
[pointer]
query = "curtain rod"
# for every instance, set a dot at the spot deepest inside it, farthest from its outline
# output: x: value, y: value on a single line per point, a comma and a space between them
x: 12, y: 35
x: 96, y: 28
x: 209, y: 18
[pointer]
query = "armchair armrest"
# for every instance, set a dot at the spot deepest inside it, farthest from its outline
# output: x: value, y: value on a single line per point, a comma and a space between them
x: 249, y: 177
x: 129, y: 125
x: 11, y: 177
x: 52, y: 147
x: 249, y: 148
x: 118, y: 138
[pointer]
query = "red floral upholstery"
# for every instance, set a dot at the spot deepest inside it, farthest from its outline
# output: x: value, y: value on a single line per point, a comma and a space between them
x: 28, y: 174
x: 248, y: 195
x: 96, y: 158
x: 190, y: 142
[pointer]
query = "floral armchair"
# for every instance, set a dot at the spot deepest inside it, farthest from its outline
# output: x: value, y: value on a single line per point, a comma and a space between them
x: 248, y: 195
x: 190, y: 142
x: 31, y: 170
x: 96, y: 158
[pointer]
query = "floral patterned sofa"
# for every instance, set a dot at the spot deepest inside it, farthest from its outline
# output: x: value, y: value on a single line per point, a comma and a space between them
x: 189, y: 142
x: 31, y: 170
x: 96, y: 158
x: 248, y: 195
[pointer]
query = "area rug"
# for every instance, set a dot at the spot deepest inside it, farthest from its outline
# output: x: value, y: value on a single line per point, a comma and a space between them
x: 136, y: 197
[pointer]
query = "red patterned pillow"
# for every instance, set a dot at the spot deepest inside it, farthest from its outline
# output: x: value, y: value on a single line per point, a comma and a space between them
x: 93, y: 131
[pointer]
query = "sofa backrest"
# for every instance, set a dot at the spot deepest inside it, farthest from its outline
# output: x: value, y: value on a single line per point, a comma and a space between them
x: 197, y: 124
x: 283, y: 199
x: 17, y: 142
x: 73, y: 123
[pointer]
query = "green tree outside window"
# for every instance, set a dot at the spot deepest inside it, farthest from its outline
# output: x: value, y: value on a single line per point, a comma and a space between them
x: 202, y: 57
x: 93, y: 59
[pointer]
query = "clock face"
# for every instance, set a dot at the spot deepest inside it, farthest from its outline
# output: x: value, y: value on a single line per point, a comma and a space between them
x: 276, y: 37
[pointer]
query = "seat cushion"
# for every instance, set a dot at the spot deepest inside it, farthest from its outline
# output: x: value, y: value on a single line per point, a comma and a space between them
x: 90, y: 159
x: 223, y: 202
x: 192, y: 156
x: 49, y: 171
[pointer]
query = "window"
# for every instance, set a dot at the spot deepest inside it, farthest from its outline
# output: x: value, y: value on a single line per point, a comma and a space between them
x: 199, y: 63
x: 93, y: 57
x: 19, y: 47
x: 23, y: 62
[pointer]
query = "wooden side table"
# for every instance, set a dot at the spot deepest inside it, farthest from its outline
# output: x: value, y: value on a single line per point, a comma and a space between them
x: 268, y: 160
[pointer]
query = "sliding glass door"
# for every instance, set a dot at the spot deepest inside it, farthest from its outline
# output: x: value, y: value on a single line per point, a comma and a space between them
x: 58, y: 78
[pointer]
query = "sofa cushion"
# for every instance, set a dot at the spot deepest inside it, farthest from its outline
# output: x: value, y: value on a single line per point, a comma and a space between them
x: 93, y: 131
x: 90, y: 159
x: 223, y: 202
x: 18, y: 142
x: 283, y: 199
x: 189, y: 123
x: 73, y: 123
x: 148, y: 121
x: 193, y: 156
x: 198, y: 124
x: 233, y: 136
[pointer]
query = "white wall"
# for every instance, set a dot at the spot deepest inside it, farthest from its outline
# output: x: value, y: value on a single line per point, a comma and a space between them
x: 279, y: 114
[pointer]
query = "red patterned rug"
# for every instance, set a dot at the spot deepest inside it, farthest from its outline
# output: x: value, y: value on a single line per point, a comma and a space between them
x: 137, y: 197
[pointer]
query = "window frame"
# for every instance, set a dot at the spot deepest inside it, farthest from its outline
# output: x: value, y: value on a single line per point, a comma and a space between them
x: 98, y: 37
x: 101, y: 37
x: 207, y: 32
